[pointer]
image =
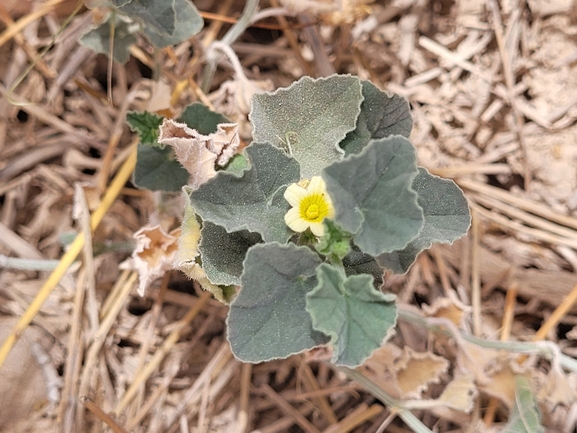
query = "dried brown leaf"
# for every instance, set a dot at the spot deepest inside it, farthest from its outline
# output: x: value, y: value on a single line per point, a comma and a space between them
x: 153, y: 255
x: 198, y: 153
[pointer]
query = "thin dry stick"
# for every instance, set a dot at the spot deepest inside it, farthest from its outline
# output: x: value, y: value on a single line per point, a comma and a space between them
x: 87, y: 259
x: 98, y: 341
x: 475, y: 274
x: 73, y: 360
x: 144, y: 349
x: 287, y: 409
x: 361, y: 414
x: 525, y: 217
x: 558, y: 315
x: 324, y: 406
x: 44, y: 68
x: 103, y: 416
x: 293, y: 42
x: 19, y: 25
x: 510, y: 82
x: 244, y: 400
x: 519, y: 202
x: 161, y: 352
x: 171, y: 373
x: 69, y: 257
x: 516, y: 226
x: 506, y: 326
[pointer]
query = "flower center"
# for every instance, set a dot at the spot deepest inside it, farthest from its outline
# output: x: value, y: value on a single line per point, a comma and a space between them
x: 312, y: 212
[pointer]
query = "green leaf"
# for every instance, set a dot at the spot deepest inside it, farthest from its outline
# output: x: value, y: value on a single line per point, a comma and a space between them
x: 98, y: 39
x: 382, y: 115
x: 372, y: 195
x: 157, y: 170
x: 336, y: 242
x: 198, y: 116
x: 146, y: 125
x: 447, y: 218
x: 308, y: 119
x: 237, y: 164
x: 357, y: 317
x: 223, y: 253
x: 268, y: 319
x: 357, y: 262
x: 159, y: 15
x: 252, y: 200
x: 187, y: 24
x: 525, y: 416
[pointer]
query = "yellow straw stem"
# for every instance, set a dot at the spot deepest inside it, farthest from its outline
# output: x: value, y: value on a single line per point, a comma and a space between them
x: 70, y: 255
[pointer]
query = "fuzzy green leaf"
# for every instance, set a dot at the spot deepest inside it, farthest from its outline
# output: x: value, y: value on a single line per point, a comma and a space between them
x: 198, y: 116
x: 146, y: 125
x: 372, y: 195
x: 222, y: 253
x: 157, y: 170
x: 382, y: 115
x: 187, y: 24
x: 357, y: 317
x: 268, y: 319
x: 447, y: 218
x: 98, y: 39
x: 357, y: 262
x: 308, y: 119
x: 525, y: 416
x: 252, y: 200
x: 159, y: 15
x: 336, y: 242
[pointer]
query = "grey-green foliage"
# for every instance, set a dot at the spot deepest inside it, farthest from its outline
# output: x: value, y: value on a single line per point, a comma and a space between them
x: 308, y: 119
x: 222, y: 253
x: 387, y: 209
x: 525, y: 416
x: 372, y: 195
x: 157, y: 168
x: 447, y: 218
x: 252, y: 200
x: 163, y: 22
x: 352, y: 312
x: 268, y: 319
x: 98, y: 38
x: 382, y: 115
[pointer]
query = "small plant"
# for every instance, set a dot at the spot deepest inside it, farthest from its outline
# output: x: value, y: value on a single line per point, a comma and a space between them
x: 306, y: 218
x: 162, y: 22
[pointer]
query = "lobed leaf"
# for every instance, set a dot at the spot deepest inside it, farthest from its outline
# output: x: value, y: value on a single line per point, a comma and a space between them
x: 159, y: 15
x: 308, y: 119
x: 357, y: 317
x: 372, y: 195
x: 188, y: 23
x: 157, y: 170
x: 253, y: 199
x: 446, y: 214
x: 98, y: 39
x: 201, y: 118
x: 146, y: 125
x: 382, y: 115
x: 268, y: 319
x: 223, y: 253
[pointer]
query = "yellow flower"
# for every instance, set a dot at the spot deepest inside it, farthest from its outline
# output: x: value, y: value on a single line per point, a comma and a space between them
x: 310, y: 203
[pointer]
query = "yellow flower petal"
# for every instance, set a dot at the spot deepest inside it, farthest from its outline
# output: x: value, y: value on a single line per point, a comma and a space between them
x: 294, y: 221
x: 310, y: 203
x: 316, y: 185
x: 294, y: 194
x: 318, y: 229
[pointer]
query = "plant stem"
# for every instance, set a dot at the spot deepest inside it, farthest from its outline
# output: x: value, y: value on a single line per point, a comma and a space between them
x: 395, y: 405
x: 27, y: 264
x: 212, y: 57
x: 548, y: 349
